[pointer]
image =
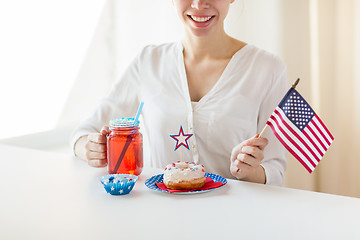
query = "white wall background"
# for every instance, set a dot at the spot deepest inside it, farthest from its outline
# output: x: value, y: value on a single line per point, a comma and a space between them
x: 42, y: 45
x: 258, y: 22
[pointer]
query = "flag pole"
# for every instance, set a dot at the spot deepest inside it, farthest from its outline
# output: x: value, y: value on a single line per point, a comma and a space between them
x: 293, y: 86
x: 263, y: 131
x: 295, y: 83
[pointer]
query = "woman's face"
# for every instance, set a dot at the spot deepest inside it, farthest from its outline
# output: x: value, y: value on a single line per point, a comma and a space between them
x: 202, y: 17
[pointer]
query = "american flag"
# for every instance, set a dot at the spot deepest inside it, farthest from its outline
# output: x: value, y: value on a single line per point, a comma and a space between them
x: 300, y: 130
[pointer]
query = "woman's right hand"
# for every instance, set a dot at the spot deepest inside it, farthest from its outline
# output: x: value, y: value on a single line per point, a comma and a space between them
x: 95, y: 148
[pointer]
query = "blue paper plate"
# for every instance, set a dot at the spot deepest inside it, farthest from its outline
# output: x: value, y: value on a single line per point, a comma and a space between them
x: 151, y: 183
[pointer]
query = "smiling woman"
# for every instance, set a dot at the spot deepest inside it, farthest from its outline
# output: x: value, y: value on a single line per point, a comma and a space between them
x: 44, y: 51
x: 194, y: 77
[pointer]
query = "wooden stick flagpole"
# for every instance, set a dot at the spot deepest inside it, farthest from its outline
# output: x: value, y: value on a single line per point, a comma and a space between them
x: 181, y: 154
x: 263, y: 131
x: 295, y: 83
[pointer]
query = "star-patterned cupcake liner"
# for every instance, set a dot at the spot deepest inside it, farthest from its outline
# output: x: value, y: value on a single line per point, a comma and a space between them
x: 118, y: 184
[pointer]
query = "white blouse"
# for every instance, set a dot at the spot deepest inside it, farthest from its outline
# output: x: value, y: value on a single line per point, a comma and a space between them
x: 235, y: 109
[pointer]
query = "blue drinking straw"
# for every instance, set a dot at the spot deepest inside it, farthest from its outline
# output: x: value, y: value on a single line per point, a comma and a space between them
x: 138, y: 112
x: 128, y: 140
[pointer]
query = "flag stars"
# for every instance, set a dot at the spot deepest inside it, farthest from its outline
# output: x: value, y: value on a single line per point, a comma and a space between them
x: 297, y: 110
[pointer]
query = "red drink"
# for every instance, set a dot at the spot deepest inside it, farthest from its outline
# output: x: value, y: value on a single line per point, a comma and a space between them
x: 125, y: 147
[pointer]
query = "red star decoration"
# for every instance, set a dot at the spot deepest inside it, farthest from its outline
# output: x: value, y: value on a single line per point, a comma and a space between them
x: 181, y: 139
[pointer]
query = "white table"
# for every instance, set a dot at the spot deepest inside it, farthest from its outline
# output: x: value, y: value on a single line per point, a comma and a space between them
x: 48, y: 195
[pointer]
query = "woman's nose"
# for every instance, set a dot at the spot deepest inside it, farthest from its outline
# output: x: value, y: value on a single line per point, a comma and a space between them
x: 200, y: 4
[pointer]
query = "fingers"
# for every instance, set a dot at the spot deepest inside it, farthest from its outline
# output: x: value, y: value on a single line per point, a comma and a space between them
x: 105, y: 130
x: 248, y: 160
x: 248, y: 151
x: 245, y: 172
x: 260, y: 143
x: 97, y: 138
x: 236, y: 150
x: 96, y: 148
x: 96, y: 159
x: 239, y: 169
x: 247, y: 154
x: 97, y: 163
x: 257, y: 142
x: 90, y: 155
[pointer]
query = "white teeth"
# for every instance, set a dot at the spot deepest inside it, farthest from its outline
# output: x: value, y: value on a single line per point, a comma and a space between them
x: 200, y: 19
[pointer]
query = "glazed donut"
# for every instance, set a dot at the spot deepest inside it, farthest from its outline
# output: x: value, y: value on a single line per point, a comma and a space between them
x: 184, y: 176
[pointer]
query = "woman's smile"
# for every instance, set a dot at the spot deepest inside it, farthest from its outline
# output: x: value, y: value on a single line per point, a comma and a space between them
x: 201, y: 21
x: 200, y: 18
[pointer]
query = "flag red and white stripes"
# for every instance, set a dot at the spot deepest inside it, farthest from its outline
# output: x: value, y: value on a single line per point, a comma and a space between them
x: 300, y: 130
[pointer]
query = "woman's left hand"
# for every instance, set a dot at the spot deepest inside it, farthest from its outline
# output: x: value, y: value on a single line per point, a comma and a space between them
x: 246, y: 158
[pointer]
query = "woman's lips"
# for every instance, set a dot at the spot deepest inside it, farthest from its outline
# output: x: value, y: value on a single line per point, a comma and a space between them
x: 201, y: 21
